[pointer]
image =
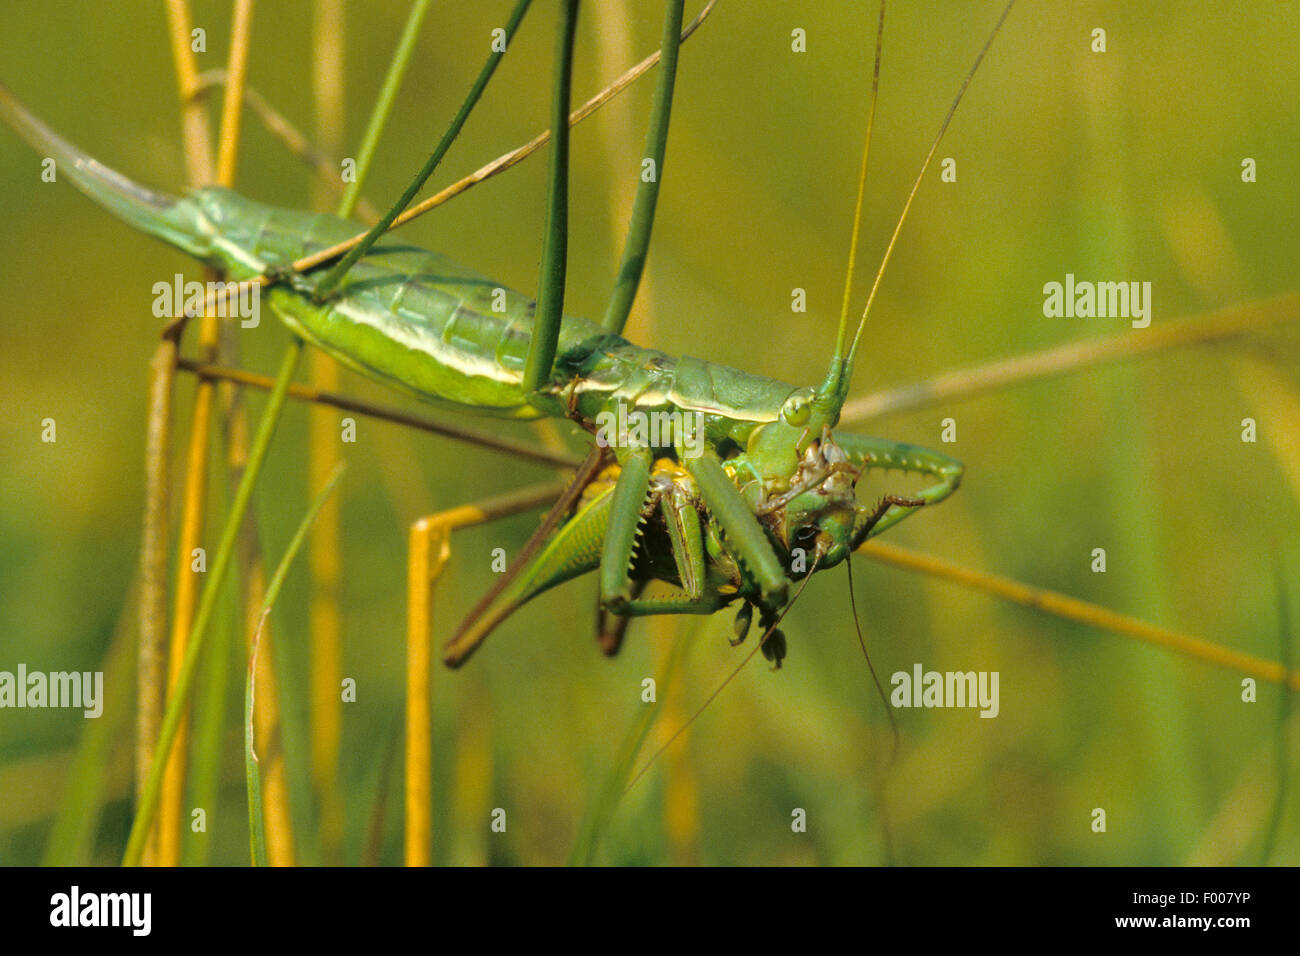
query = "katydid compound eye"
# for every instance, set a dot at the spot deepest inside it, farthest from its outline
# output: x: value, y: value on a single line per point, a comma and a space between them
x: 796, y: 410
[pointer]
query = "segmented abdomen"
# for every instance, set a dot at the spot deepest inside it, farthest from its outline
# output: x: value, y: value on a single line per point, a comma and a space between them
x: 409, y: 317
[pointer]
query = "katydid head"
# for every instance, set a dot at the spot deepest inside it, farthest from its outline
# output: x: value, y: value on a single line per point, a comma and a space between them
x: 814, y: 517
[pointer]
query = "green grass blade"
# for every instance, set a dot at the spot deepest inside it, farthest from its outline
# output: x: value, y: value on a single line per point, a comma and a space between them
x: 256, y: 825
x: 211, y: 698
x: 210, y: 725
x: 647, y: 193
x: 185, y: 680
x: 555, y: 249
x: 336, y: 274
x: 383, y: 107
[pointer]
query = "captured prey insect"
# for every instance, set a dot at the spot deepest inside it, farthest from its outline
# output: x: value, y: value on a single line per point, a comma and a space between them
x: 759, y: 494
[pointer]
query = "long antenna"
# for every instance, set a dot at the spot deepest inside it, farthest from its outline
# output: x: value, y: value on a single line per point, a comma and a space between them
x: 879, y: 784
x: 837, y: 361
x: 934, y: 148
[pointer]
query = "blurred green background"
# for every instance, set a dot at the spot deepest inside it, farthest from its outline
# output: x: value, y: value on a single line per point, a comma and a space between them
x: 1116, y: 166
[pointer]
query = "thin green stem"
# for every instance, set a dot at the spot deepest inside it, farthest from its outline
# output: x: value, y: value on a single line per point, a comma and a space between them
x: 256, y: 825
x: 647, y: 194
x: 209, y: 727
x: 550, y: 291
x: 384, y: 105
x: 176, y: 706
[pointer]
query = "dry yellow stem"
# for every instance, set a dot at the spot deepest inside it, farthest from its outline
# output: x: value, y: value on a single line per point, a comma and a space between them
x: 1072, y: 609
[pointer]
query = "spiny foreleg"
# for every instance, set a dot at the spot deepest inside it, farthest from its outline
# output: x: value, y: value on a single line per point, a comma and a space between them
x: 870, y: 453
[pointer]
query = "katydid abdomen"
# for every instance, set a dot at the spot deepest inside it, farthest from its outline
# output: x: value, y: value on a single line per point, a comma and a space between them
x: 412, y: 318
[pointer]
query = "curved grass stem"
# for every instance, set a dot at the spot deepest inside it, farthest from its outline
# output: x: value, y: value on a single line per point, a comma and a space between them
x: 647, y: 194
x: 383, y: 107
x: 256, y: 824
x: 555, y: 247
